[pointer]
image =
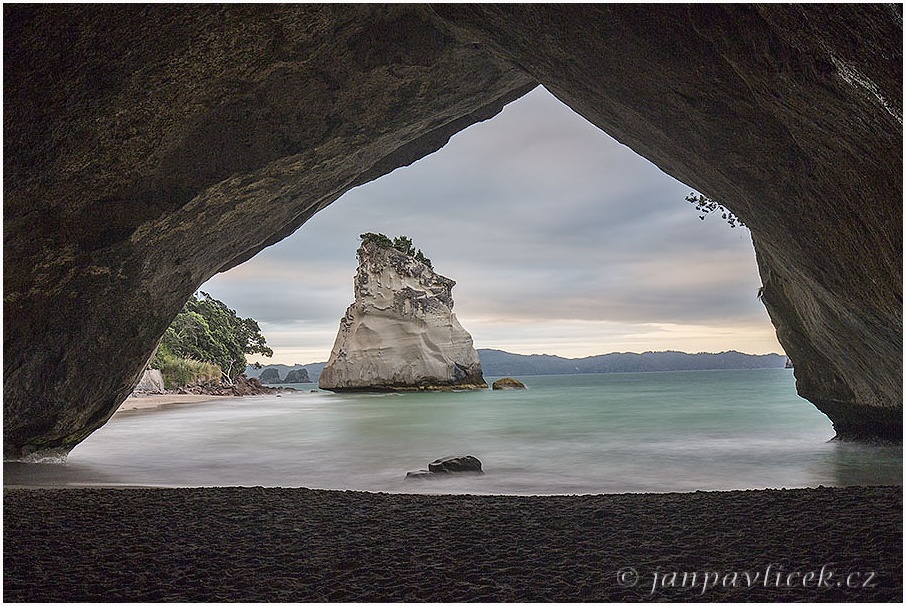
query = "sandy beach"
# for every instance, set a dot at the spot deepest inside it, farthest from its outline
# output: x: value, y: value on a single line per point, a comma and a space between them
x: 148, y: 402
x: 274, y: 544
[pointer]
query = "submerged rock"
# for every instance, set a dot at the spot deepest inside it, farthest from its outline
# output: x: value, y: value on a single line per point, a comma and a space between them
x: 508, y: 383
x: 400, y: 334
x: 421, y: 474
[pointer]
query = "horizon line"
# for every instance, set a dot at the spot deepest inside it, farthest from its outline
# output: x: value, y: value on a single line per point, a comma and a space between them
x: 710, y: 353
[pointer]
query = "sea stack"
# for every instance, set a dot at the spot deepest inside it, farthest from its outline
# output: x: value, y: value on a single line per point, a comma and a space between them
x: 400, y: 334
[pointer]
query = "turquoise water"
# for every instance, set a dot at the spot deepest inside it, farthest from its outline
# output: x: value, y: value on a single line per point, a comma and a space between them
x: 566, y: 434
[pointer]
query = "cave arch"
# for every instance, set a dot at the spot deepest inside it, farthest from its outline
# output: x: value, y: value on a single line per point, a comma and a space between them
x: 620, y: 256
x: 147, y: 148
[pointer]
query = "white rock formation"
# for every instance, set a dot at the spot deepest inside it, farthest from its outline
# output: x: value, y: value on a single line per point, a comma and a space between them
x: 151, y: 382
x: 400, y: 333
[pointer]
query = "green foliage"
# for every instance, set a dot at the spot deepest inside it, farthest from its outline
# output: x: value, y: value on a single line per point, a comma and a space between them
x: 401, y: 243
x: 404, y: 245
x: 206, y: 330
x: 379, y: 239
x: 179, y: 372
x: 706, y: 205
x: 421, y: 258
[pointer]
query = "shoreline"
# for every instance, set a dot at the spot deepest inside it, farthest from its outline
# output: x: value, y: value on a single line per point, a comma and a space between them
x: 149, y: 402
x: 153, y: 401
x: 297, y: 544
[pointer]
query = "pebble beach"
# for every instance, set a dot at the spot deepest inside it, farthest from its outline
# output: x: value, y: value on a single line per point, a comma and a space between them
x: 301, y: 545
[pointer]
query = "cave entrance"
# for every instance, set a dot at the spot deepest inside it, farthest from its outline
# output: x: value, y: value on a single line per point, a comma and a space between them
x: 562, y: 241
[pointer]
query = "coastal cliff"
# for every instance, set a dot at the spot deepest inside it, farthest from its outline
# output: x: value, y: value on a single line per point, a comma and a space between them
x: 400, y: 334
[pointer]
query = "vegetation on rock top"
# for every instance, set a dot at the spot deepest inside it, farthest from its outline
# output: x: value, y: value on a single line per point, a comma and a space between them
x: 706, y: 205
x: 401, y: 243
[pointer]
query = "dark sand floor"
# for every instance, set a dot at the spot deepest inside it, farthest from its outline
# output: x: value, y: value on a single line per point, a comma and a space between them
x: 255, y: 544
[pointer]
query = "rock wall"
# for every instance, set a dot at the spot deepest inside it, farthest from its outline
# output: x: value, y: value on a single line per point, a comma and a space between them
x: 146, y: 148
x: 401, y: 333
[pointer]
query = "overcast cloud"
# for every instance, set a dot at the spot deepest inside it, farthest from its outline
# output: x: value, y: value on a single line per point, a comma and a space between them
x: 561, y: 241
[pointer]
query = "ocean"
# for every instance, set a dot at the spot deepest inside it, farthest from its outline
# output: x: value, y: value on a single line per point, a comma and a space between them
x: 565, y: 434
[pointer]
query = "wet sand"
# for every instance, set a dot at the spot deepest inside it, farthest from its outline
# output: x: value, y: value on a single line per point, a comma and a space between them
x: 295, y: 544
x: 148, y: 402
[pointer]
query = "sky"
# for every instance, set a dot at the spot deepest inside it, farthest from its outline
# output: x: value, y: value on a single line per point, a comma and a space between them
x: 561, y: 241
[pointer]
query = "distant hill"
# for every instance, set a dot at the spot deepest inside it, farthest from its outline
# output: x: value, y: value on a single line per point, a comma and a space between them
x: 497, y: 363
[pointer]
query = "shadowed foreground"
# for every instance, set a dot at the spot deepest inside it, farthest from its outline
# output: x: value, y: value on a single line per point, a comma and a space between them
x: 295, y: 544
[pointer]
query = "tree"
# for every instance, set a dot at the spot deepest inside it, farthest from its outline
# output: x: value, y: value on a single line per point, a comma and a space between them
x: 208, y: 331
x: 379, y: 239
x: 401, y: 243
x: 404, y: 245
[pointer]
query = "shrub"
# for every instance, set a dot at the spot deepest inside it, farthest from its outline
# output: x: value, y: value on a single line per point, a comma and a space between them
x: 400, y: 243
x: 706, y: 205
x: 206, y: 329
x: 179, y: 372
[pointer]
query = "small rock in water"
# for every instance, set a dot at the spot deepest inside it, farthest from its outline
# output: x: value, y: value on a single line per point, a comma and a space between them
x: 421, y: 474
x: 455, y: 464
x: 445, y: 466
x: 508, y: 383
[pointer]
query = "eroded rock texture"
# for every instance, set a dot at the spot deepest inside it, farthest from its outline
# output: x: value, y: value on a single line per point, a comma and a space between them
x: 400, y: 333
x: 148, y: 148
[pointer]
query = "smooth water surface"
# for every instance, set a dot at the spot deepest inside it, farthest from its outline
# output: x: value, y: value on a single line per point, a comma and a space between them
x: 566, y: 434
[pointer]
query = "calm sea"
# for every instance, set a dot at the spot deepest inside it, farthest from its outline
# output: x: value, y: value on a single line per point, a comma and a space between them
x: 566, y: 434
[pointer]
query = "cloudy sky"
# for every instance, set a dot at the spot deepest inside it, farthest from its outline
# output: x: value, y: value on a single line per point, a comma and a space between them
x: 561, y: 241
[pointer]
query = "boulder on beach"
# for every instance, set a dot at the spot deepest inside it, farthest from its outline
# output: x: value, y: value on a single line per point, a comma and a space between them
x: 508, y: 383
x: 151, y: 382
x: 240, y: 386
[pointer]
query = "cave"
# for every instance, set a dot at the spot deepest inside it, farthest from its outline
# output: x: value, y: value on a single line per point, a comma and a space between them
x: 148, y: 148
